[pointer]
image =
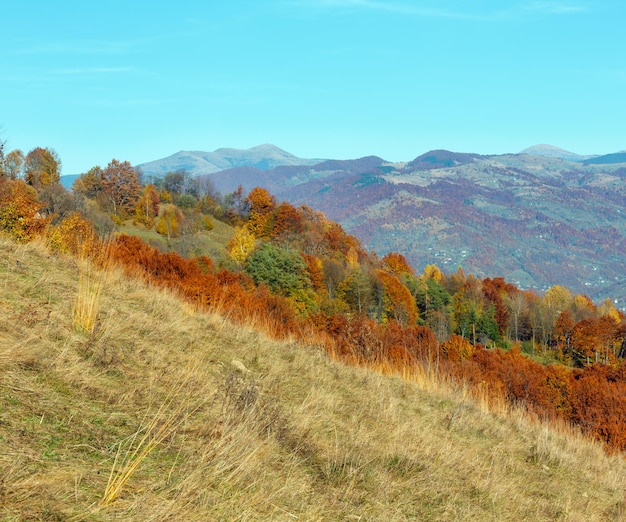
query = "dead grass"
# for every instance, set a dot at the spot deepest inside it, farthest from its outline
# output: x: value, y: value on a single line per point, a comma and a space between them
x: 292, y: 436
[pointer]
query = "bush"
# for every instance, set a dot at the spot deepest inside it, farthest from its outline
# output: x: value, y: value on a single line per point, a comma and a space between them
x: 283, y: 271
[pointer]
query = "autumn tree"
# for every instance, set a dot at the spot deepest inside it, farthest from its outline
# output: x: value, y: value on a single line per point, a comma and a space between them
x: 582, y: 307
x: 394, y: 300
x: 396, y: 264
x: 57, y: 202
x: 20, y: 210
x: 495, y: 291
x: 262, y: 205
x: 608, y: 308
x: 336, y: 240
x: 287, y: 224
x: 357, y: 291
x: 241, y: 245
x: 457, y: 348
x: 147, y: 208
x: 433, y: 272
x: 74, y: 235
x: 517, y: 307
x: 169, y: 221
x: 556, y: 299
x: 595, y: 340
x: 42, y: 167
x: 89, y: 184
x: 562, y: 335
x: 334, y: 274
x: 315, y: 270
x: 312, y: 238
x: 467, y: 305
x: 454, y: 282
x: 352, y: 258
x: 120, y: 188
x: 13, y: 164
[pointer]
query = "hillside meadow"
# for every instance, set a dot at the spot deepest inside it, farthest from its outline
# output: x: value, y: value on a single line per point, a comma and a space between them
x: 166, y: 413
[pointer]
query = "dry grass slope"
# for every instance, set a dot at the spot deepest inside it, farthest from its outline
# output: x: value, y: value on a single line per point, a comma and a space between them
x: 162, y: 413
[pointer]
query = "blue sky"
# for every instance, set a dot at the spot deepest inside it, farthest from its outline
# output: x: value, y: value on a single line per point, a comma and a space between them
x: 341, y: 79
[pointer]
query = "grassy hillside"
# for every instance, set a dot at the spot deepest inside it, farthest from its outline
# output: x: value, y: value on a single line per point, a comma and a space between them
x: 167, y: 414
x: 207, y: 242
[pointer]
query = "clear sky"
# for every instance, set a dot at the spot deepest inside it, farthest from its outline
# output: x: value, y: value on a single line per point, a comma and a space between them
x: 340, y: 79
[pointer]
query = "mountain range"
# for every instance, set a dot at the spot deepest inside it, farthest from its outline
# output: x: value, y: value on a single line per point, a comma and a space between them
x: 262, y: 157
x: 541, y: 217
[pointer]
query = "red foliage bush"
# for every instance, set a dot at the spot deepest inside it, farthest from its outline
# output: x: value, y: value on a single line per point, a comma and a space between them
x: 599, y: 404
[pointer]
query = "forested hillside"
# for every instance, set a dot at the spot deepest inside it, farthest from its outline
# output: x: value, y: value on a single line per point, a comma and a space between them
x: 160, y: 394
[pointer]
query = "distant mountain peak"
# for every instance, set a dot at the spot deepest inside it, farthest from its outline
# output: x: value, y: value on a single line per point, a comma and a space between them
x: 264, y: 148
x: 269, y: 147
x: 436, y: 159
x: 550, y: 151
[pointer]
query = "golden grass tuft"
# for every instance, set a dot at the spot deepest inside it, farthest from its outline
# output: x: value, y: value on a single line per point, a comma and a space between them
x: 94, y: 273
x: 133, y: 451
x: 87, y: 306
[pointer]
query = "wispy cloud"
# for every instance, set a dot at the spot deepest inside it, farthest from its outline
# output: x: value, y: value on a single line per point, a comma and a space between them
x: 121, y: 103
x: 477, y: 11
x: 94, y: 70
x: 373, y: 5
x: 555, y: 7
x: 72, y: 48
x: 36, y: 76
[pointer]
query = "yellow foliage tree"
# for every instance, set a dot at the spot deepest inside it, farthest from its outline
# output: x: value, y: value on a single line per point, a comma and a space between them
x: 241, y: 245
x: 608, y: 309
x: 169, y: 221
x: 74, y: 235
x: 20, y: 210
x: 352, y: 258
x: 433, y: 272
x: 147, y: 206
x: 262, y: 206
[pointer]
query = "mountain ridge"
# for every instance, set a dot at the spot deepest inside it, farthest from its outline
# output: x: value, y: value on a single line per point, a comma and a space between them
x: 268, y: 156
x: 263, y: 157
